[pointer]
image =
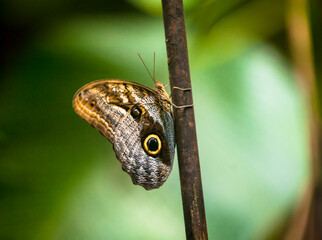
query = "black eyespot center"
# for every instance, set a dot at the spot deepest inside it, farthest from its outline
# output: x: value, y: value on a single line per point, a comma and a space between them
x: 93, y: 103
x: 136, y: 112
x: 153, y: 144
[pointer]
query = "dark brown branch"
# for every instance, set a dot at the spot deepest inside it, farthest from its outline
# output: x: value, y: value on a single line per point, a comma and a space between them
x: 186, y: 138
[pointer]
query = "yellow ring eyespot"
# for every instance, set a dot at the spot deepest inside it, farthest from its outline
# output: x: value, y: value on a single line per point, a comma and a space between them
x: 152, y: 144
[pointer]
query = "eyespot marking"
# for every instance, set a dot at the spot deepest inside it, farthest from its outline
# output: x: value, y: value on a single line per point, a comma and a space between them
x: 93, y: 103
x: 136, y: 112
x: 152, y: 144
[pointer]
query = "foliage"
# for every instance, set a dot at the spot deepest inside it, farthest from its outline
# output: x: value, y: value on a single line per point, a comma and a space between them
x: 60, y: 179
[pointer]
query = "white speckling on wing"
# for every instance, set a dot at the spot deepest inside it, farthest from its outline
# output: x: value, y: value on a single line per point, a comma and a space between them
x: 122, y: 111
x: 141, y: 171
x: 149, y: 99
x: 153, y: 174
x: 124, y: 98
x: 141, y: 179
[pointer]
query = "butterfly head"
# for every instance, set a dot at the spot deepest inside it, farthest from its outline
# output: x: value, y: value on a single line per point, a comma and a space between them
x: 162, y: 93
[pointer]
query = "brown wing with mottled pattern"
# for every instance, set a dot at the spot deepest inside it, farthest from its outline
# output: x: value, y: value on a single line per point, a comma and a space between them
x: 137, y: 121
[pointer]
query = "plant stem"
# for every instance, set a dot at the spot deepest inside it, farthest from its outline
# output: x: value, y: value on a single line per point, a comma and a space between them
x: 186, y: 137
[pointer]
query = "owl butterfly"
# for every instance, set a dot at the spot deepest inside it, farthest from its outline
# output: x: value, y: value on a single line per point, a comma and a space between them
x: 137, y: 120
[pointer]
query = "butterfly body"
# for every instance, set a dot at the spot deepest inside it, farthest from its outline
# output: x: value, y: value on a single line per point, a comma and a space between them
x: 138, y: 121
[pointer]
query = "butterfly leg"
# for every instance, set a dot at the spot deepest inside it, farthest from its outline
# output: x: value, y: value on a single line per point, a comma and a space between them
x: 182, y: 89
x: 184, y: 106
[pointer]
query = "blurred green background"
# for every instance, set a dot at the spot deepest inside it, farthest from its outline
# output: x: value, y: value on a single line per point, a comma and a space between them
x: 60, y: 179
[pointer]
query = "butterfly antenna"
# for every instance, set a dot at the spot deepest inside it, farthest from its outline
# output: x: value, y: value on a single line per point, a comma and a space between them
x: 146, y: 68
x: 154, y: 67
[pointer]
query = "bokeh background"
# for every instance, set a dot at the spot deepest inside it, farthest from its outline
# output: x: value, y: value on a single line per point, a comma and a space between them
x: 60, y: 179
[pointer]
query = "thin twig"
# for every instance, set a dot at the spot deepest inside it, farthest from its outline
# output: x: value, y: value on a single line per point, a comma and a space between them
x: 186, y: 138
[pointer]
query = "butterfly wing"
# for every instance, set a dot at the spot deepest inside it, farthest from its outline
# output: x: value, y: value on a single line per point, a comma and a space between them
x: 137, y: 122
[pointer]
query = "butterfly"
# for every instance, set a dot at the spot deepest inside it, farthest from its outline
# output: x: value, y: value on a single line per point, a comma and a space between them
x: 138, y: 121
